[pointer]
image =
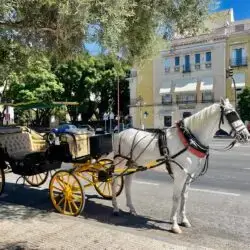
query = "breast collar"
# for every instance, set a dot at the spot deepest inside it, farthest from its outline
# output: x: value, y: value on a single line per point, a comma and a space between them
x: 190, y: 141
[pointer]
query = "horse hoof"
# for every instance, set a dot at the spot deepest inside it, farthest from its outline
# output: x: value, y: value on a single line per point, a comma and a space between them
x: 115, y: 213
x: 176, y: 230
x: 133, y: 213
x: 186, y: 224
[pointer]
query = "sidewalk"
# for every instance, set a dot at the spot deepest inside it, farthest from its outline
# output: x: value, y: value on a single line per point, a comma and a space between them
x: 32, y: 229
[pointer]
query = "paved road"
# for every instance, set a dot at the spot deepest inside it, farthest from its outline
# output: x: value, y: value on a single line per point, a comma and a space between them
x: 218, y: 205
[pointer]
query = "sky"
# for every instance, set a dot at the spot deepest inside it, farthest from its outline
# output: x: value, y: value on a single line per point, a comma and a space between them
x: 241, y: 8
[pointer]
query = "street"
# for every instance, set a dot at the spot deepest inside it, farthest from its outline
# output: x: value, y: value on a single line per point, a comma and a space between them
x: 218, y: 205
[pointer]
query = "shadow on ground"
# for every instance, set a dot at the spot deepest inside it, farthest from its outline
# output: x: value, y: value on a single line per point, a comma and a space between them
x: 23, y: 202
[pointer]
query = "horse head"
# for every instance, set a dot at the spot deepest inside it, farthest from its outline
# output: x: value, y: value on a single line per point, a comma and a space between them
x: 231, y: 122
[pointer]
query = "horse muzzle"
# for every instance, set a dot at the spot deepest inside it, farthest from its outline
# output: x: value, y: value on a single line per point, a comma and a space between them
x: 243, y: 136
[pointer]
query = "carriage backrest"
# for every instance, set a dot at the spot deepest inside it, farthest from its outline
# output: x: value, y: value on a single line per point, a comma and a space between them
x: 20, y: 143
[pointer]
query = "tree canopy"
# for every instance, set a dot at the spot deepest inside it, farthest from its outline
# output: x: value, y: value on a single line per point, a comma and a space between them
x: 132, y: 26
x: 244, y: 104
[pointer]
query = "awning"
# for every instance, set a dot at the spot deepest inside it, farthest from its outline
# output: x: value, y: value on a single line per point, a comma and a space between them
x: 190, y: 87
x: 165, y: 91
x: 206, y: 86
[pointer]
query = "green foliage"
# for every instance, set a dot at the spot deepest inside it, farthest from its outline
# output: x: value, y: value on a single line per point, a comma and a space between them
x: 244, y: 104
x: 135, y: 26
x: 92, y: 81
x: 37, y: 83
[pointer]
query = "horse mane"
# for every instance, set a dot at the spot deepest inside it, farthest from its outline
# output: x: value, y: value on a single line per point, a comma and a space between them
x: 197, y: 120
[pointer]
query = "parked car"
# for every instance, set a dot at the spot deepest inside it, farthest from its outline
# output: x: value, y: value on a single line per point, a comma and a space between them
x: 86, y: 127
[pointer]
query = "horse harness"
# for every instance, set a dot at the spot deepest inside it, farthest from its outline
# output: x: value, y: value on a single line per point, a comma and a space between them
x: 190, y: 142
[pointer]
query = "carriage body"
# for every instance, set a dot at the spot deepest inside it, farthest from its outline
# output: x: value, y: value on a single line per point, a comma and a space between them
x: 32, y: 156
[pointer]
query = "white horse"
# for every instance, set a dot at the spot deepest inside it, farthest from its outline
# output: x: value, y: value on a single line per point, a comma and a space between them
x: 141, y: 147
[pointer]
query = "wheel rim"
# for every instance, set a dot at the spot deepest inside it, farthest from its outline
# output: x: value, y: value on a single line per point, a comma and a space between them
x: 66, y: 193
x: 105, y: 188
x: 37, y: 180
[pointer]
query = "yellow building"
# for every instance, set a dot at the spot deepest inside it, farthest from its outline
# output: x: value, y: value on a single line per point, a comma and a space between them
x: 182, y: 80
x: 192, y: 74
x: 237, y: 57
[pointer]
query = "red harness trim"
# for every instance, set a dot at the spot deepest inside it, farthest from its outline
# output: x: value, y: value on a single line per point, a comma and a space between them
x: 194, y: 151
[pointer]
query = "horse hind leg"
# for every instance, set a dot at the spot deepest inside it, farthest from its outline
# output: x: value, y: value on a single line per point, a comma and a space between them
x: 128, y: 184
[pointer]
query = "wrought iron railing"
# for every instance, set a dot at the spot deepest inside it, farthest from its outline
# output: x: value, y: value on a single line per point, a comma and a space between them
x: 238, y: 62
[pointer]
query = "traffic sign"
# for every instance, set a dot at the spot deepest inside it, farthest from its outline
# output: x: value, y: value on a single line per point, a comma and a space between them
x: 105, y: 116
x: 111, y: 116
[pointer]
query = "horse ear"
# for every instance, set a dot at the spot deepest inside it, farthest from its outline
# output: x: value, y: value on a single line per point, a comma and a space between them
x: 222, y: 101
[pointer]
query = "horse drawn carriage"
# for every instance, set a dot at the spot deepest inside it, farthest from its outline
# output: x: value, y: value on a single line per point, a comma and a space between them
x: 33, y: 156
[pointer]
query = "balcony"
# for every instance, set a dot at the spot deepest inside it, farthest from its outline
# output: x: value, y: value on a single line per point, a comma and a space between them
x: 197, y: 66
x: 238, y: 62
x: 186, y: 68
x: 166, y: 100
x: 208, y: 65
x: 177, y: 68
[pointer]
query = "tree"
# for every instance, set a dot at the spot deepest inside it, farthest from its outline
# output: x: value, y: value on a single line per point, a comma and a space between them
x: 92, y: 81
x: 133, y: 26
x: 244, y: 104
x: 36, y: 84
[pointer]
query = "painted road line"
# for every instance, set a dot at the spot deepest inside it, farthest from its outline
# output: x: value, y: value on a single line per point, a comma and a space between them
x: 213, y: 192
x: 246, y: 168
x: 147, y: 183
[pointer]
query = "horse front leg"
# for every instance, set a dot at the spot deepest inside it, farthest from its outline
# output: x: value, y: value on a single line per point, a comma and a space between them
x: 114, y: 198
x: 184, y: 196
x: 128, y: 184
x: 179, y: 182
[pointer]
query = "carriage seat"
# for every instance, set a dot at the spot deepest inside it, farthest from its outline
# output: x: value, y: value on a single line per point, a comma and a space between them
x: 20, y: 144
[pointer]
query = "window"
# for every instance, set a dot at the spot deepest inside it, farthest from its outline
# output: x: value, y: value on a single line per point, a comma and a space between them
x: 239, y: 57
x: 197, y: 58
x: 239, y: 27
x: 207, y: 97
x: 186, y: 67
x: 166, y: 99
x: 167, y: 64
x: 186, y: 98
x: 208, y: 56
x: 177, y: 61
x: 167, y: 121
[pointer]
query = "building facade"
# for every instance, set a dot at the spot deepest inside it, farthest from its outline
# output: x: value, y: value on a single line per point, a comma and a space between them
x: 237, y: 57
x: 191, y: 74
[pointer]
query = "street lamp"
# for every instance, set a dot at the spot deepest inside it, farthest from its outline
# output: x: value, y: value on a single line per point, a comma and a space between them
x: 229, y: 74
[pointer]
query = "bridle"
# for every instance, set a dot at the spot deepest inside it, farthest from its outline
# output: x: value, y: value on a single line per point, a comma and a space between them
x: 237, y: 126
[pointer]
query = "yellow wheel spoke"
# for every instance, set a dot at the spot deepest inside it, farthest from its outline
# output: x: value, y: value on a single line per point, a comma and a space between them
x: 104, y: 187
x: 65, y: 205
x: 61, y: 183
x: 73, y: 202
x: 109, y: 189
x: 57, y: 188
x: 70, y: 208
x: 40, y: 177
x: 58, y: 204
x: 100, y: 185
x: 36, y: 179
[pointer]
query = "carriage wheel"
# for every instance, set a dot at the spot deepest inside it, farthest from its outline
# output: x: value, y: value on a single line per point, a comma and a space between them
x: 105, y: 188
x: 37, y: 179
x: 2, y: 180
x: 66, y: 193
